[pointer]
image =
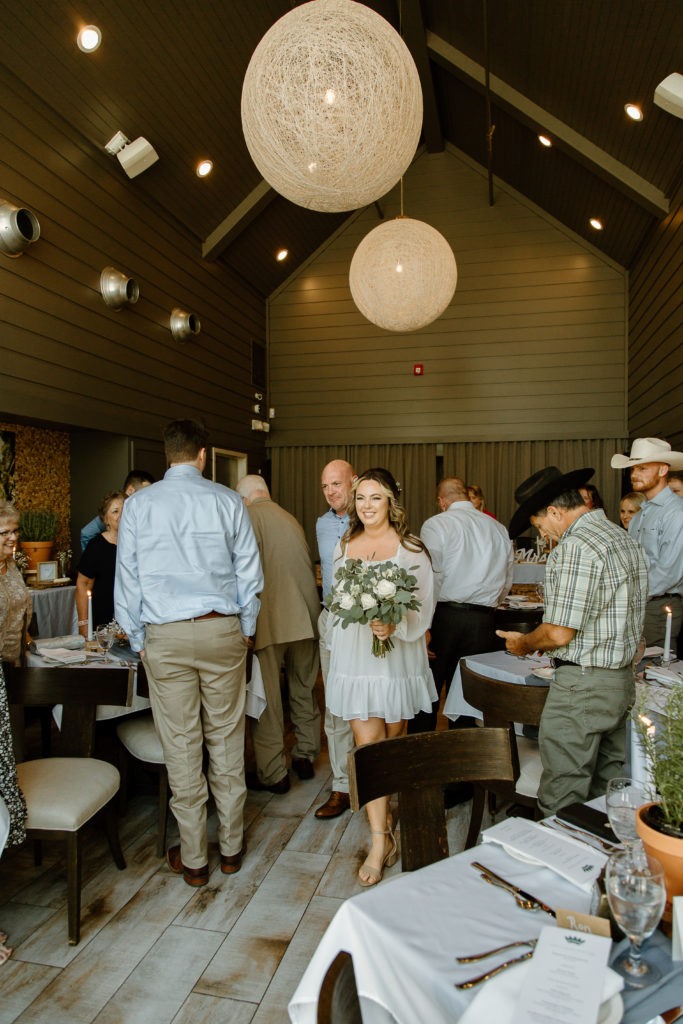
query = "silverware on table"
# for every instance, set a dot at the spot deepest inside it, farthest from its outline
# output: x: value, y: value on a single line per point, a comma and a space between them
x: 498, y: 949
x: 668, y: 1016
x: 514, y: 888
x: 609, y: 847
x: 519, y: 900
x: 495, y: 970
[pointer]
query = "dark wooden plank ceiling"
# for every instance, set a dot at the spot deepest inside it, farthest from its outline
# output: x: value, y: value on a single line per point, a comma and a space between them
x: 173, y: 71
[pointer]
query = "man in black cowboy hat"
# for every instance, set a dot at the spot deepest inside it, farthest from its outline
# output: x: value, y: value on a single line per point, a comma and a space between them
x: 595, y: 593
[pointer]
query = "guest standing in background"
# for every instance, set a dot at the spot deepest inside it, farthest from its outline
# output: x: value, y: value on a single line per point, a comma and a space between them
x: 97, y: 569
x: 591, y: 496
x: 476, y: 496
x: 659, y: 528
x: 376, y: 695
x: 15, y: 599
x: 136, y: 479
x: 629, y: 506
x: 337, y: 484
x: 675, y: 482
x: 12, y: 802
x: 188, y: 578
x: 286, y: 630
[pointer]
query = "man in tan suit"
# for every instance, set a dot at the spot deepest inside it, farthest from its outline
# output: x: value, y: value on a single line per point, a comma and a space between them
x: 286, y: 629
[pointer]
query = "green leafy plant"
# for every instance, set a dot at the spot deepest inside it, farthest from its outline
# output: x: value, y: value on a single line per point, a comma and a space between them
x: 38, y: 524
x: 662, y: 739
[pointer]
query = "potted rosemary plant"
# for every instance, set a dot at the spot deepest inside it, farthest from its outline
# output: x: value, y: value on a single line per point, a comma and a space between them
x: 660, y: 824
x: 38, y: 530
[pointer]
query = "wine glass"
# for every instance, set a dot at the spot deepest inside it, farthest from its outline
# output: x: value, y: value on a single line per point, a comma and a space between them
x: 623, y: 798
x: 540, y: 592
x: 636, y: 894
x: 105, y: 638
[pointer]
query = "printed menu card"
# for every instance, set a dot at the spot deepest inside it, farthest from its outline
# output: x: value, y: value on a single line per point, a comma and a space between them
x: 579, y: 863
x: 564, y: 984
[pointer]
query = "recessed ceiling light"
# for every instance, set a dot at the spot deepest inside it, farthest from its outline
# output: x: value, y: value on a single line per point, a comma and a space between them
x: 634, y: 111
x: 595, y: 223
x: 89, y: 38
x: 204, y: 167
x: 544, y: 140
x: 282, y: 255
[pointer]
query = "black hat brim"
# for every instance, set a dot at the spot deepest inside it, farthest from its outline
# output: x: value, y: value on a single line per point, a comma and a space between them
x: 544, y: 496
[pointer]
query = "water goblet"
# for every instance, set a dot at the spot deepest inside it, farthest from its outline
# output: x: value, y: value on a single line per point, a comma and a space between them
x: 105, y: 638
x: 636, y: 894
x: 623, y: 798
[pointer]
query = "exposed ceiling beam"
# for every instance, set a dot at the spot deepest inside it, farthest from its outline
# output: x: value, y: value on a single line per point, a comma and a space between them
x: 581, y: 149
x: 236, y: 221
x: 414, y: 36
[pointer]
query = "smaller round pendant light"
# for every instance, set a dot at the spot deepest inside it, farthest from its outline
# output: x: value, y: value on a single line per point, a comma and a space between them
x: 332, y: 106
x: 403, y: 275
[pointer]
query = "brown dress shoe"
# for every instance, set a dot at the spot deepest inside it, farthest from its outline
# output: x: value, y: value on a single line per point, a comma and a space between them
x: 193, y: 876
x: 336, y: 805
x: 232, y: 862
x: 303, y: 767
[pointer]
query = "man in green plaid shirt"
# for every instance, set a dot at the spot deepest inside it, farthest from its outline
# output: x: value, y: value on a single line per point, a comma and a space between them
x: 595, y: 594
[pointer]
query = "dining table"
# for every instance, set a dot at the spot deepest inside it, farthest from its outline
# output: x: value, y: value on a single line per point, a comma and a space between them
x: 404, y: 937
x: 55, y: 610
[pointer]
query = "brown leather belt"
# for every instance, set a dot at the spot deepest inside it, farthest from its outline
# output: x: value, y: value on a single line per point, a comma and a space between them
x: 210, y: 615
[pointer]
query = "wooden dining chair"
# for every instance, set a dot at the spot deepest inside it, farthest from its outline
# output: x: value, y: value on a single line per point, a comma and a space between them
x: 140, y: 741
x: 417, y: 767
x: 63, y: 793
x: 338, y: 1001
x: 502, y: 705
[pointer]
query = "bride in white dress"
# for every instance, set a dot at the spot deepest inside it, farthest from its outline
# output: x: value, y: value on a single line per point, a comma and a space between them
x: 377, y: 695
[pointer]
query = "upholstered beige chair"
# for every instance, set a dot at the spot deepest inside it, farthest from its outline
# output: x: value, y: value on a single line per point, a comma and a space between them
x: 140, y: 740
x: 64, y: 793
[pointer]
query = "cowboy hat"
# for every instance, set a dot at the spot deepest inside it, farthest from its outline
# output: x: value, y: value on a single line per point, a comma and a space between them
x: 648, y: 449
x: 539, y: 490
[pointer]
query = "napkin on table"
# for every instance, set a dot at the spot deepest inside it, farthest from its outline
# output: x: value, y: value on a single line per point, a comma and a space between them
x: 62, y: 656
x: 75, y: 642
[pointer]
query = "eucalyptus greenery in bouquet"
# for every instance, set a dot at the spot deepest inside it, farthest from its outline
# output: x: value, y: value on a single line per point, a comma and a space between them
x: 367, y: 592
x: 663, y: 743
x: 37, y: 524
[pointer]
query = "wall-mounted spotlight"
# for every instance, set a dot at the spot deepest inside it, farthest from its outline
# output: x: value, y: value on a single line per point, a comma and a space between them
x: 117, y: 289
x: 184, y: 324
x: 135, y: 157
x: 18, y: 228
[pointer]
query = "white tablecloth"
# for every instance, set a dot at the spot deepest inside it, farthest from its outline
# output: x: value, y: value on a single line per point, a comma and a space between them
x: 404, y: 936
x: 493, y: 665
x: 55, y: 609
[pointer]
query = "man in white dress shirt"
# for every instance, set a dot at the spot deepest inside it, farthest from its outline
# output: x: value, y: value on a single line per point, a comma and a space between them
x: 472, y: 558
x: 658, y: 527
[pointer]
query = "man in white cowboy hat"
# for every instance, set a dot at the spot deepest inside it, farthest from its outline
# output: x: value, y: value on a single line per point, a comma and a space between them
x: 659, y: 528
x: 595, y: 592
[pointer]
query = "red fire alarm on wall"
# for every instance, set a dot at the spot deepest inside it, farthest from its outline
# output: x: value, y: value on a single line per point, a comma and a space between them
x: 418, y: 370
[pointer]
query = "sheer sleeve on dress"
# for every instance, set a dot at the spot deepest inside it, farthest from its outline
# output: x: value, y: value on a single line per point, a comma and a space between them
x: 416, y: 623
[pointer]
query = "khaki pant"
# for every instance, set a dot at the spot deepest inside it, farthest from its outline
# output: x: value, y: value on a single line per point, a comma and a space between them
x: 268, y: 732
x: 582, y: 737
x: 339, y: 732
x: 197, y: 689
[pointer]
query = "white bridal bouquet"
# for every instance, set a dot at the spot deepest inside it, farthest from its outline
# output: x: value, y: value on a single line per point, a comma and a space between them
x: 367, y: 592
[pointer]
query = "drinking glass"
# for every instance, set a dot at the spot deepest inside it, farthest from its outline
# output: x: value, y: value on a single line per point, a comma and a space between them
x: 540, y: 592
x: 636, y: 894
x: 623, y: 798
x: 105, y: 638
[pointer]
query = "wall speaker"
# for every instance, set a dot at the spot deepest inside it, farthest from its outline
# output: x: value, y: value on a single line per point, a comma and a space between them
x: 18, y: 228
x: 137, y: 156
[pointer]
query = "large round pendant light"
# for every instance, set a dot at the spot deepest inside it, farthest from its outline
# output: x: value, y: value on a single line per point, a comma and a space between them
x: 332, y: 106
x: 403, y: 275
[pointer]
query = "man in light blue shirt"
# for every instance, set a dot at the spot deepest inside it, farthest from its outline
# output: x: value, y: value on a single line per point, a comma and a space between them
x: 658, y: 527
x: 188, y: 576
x: 337, y: 483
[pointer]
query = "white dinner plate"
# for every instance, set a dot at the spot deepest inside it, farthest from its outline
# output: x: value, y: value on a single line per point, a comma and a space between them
x: 523, y: 857
x: 612, y: 1010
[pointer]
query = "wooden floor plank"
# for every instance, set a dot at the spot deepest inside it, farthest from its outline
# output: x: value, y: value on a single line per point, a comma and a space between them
x: 199, y: 1009
x: 251, y: 953
x: 20, y: 984
x: 158, y: 987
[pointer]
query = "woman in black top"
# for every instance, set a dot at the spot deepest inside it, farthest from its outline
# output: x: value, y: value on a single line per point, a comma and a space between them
x: 98, y: 567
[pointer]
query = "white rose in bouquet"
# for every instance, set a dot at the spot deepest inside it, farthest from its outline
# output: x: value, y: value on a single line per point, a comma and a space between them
x: 346, y: 602
x: 367, y: 601
x: 385, y: 589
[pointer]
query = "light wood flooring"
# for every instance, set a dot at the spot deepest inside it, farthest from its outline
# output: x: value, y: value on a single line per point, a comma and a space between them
x: 155, y: 951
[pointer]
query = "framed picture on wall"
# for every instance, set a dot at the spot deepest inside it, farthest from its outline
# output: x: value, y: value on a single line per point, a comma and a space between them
x: 47, y: 572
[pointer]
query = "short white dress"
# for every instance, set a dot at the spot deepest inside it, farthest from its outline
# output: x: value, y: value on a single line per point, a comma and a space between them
x: 395, y: 687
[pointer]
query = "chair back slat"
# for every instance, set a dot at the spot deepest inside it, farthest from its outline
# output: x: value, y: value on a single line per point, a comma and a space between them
x: 416, y: 767
x: 338, y: 1001
x: 502, y: 703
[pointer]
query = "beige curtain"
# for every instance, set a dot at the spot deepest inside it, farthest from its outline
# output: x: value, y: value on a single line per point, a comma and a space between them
x: 295, y: 478
x: 500, y: 466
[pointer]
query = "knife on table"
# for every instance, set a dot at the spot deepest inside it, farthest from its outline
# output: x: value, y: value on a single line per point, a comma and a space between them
x: 514, y: 888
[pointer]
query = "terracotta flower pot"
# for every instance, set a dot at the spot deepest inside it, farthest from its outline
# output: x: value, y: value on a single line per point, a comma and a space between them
x: 37, y: 551
x: 669, y: 852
